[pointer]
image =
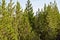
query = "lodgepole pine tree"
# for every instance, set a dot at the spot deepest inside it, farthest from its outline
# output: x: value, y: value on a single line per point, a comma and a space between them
x: 7, y: 31
x: 1, y: 20
x: 56, y: 11
x: 52, y: 19
x: 41, y: 23
x: 23, y: 26
x: 58, y: 34
x: 11, y: 8
x: 30, y: 13
x: 18, y: 19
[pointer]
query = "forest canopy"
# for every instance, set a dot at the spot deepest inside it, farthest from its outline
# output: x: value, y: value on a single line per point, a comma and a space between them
x: 18, y: 24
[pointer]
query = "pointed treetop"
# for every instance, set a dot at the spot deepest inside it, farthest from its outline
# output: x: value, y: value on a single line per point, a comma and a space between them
x: 55, y: 3
x: 18, y: 4
x: 3, y: 4
x: 28, y: 1
x: 38, y: 10
x: 44, y: 6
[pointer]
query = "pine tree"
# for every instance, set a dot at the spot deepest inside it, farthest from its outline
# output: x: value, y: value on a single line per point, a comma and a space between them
x: 58, y: 22
x: 30, y: 35
x: 18, y: 18
x: 7, y: 31
x: 11, y: 8
x: 52, y: 19
x: 23, y: 26
x: 41, y: 22
x: 1, y: 20
x: 30, y: 13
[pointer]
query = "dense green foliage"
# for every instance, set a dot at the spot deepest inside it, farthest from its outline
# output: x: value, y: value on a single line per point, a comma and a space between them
x: 16, y: 24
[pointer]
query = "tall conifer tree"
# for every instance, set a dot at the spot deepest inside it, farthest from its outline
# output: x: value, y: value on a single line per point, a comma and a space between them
x: 52, y: 19
x: 30, y: 13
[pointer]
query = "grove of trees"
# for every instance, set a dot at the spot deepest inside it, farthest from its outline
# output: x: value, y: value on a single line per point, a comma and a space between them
x: 18, y: 24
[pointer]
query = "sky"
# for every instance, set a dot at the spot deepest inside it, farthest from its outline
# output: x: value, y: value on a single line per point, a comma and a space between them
x: 36, y: 3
